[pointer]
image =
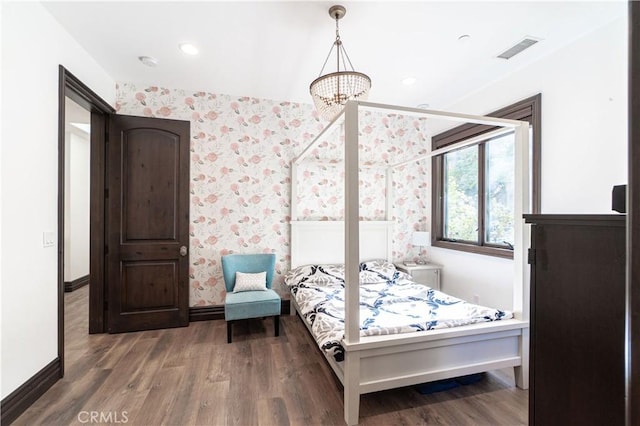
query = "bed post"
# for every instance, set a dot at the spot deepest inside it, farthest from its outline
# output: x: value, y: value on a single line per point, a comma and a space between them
x: 521, y: 245
x: 294, y: 216
x: 389, y: 196
x: 388, y: 193
x: 352, y: 388
x: 352, y: 263
x: 352, y: 225
x: 294, y: 190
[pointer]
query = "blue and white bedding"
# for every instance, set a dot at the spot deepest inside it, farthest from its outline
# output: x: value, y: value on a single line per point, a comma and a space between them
x: 390, y: 303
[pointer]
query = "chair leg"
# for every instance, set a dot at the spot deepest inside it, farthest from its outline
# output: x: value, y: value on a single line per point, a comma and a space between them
x: 276, y: 325
x: 228, y: 331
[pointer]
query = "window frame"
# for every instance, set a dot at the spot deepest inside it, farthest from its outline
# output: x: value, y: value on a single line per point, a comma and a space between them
x: 526, y: 110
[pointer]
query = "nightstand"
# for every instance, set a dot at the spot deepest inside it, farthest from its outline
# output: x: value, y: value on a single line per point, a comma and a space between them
x: 428, y: 274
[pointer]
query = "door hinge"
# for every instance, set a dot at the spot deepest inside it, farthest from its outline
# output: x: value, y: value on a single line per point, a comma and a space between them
x: 106, y: 193
x: 531, y: 258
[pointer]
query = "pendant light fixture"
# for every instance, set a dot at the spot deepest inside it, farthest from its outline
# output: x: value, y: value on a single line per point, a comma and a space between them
x: 331, y: 91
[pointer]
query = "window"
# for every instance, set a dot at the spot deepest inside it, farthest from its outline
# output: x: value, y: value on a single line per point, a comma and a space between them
x: 499, y: 191
x: 460, y: 199
x: 473, y: 190
x: 462, y: 191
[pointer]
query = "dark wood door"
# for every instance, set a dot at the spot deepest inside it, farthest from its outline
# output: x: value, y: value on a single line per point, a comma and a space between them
x: 147, y: 223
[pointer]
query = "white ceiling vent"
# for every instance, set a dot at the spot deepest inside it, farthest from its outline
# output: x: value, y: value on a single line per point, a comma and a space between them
x: 524, y: 44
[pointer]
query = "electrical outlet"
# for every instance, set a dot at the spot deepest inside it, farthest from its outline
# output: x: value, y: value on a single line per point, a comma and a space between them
x: 48, y: 239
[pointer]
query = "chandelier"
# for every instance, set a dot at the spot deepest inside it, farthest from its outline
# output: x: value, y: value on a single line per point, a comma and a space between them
x: 331, y: 91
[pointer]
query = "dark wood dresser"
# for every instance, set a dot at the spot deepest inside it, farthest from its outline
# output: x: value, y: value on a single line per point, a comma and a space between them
x: 577, y: 374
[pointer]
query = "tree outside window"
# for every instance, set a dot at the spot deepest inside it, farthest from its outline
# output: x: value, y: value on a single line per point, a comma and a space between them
x: 463, y: 172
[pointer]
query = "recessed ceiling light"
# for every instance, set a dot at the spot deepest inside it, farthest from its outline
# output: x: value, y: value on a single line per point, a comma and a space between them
x: 408, y: 81
x: 423, y: 106
x: 148, y: 61
x: 464, y: 38
x: 188, y: 48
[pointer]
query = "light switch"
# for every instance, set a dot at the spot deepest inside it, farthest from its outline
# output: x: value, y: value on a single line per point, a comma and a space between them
x: 48, y: 239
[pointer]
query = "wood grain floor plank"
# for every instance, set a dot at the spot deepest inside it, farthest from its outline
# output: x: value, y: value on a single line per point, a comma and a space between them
x: 263, y: 370
x: 241, y: 407
x: 143, y: 377
x: 184, y: 409
x: 182, y: 338
x: 272, y: 411
x: 213, y: 402
x: 111, y: 349
x: 220, y: 360
x: 159, y: 400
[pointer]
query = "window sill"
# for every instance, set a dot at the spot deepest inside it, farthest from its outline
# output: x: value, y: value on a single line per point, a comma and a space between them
x: 472, y: 248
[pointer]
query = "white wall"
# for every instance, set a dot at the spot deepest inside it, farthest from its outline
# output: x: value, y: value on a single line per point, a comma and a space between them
x: 76, y: 239
x: 1, y: 185
x: 33, y: 45
x: 584, y: 144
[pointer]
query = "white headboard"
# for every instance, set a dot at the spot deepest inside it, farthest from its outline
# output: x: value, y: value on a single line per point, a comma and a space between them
x: 322, y: 241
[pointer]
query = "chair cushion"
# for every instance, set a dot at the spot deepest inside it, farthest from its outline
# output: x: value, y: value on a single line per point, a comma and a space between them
x: 251, y: 304
x: 250, y: 282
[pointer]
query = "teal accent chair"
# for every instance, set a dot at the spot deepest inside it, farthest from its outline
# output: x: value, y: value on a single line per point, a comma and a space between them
x: 250, y: 304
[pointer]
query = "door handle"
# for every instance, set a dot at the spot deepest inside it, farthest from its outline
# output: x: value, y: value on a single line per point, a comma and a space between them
x: 183, y: 251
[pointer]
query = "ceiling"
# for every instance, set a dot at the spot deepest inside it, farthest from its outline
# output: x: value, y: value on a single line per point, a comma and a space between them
x: 273, y: 50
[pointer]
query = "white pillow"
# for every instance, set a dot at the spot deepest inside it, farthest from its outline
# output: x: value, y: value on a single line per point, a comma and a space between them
x: 250, y: 282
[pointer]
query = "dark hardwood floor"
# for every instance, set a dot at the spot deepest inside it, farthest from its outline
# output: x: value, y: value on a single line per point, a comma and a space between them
x: 191, y: 376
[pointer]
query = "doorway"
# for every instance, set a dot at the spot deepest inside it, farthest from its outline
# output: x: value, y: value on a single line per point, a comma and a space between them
x: 76, y: 213
x: 70, y: 89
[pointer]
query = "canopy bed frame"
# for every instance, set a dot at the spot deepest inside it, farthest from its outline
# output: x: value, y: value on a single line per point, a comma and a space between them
x: 374, y: 363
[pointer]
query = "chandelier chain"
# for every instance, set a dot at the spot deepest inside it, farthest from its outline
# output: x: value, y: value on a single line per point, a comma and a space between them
x: 338, y: 43
x: 331, y: 91
x: 326, y: 60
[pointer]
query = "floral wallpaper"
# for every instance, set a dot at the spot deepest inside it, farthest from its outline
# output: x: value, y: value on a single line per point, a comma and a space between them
x: 241, y: 153
x: 385, y: 139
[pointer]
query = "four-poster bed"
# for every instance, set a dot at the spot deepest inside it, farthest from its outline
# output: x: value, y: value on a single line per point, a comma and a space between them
x: 373, y: 363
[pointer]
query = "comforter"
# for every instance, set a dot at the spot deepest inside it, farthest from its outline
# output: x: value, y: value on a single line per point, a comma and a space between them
x: 390, y: 303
